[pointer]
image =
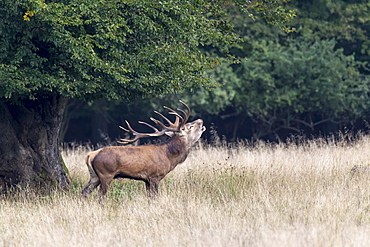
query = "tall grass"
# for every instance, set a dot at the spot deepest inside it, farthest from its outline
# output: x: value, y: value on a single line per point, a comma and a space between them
x: 296, y: 194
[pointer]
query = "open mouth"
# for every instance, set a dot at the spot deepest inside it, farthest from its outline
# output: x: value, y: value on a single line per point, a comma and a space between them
x: 204, y: 128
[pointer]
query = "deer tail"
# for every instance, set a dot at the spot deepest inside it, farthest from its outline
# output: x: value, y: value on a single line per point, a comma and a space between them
x: 88, y: 160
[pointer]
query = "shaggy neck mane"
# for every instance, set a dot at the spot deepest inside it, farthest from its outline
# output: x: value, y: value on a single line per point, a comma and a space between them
x: 177, y: 148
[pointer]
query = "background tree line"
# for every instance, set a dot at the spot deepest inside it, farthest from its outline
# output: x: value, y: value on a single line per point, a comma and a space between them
x: 314, y: 80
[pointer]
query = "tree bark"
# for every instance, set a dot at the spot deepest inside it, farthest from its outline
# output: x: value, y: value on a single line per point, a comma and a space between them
x: 29, y: 144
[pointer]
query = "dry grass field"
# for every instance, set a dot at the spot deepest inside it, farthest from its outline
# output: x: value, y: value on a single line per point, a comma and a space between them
x: 295, y: 194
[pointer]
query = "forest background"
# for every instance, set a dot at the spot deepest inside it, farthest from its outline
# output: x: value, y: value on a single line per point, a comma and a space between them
x: 128, y: 58
x: 312, y: 81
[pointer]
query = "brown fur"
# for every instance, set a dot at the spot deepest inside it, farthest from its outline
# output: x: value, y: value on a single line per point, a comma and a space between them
x: 148, y: 163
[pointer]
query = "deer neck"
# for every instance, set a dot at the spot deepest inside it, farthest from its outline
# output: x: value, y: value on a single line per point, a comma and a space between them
x: 177, y: 150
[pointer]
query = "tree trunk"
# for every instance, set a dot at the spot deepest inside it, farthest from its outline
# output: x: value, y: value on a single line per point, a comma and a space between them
x: 29, y: 144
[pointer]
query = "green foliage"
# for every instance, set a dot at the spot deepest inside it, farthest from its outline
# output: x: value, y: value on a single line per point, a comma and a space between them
x: 217, y: 99
x: 279, y: 83
x: 299, y: 84
x: 112, y: 49
x: 346, y: 21
x: 274, y: 13
x: 286, y: 83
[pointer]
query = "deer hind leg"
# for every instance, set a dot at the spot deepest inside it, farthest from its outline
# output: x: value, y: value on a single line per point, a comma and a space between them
x: 93, y: 183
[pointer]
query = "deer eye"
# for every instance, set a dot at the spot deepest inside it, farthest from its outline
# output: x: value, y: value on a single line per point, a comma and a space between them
x: 191, y: 127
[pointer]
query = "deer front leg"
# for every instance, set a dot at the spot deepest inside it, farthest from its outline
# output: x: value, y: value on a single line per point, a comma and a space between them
x: 104, y: 184
x: 152, y: 188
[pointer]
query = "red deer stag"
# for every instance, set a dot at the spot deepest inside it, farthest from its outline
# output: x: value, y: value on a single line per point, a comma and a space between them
x: 148, y: 163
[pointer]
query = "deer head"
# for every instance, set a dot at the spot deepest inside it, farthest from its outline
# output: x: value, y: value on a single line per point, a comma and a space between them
x: 179, y: 127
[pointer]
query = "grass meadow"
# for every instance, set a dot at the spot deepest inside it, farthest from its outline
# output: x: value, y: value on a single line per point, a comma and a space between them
x: 300, y: 193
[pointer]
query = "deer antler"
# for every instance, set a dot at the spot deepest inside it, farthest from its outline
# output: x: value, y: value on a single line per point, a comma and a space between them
x: 174, y: 127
